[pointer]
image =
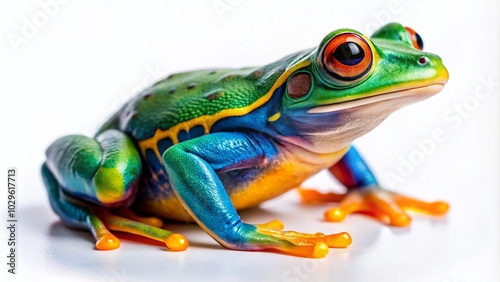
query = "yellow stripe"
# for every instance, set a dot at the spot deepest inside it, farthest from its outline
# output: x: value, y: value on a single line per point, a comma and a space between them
x: 207, y: 121
x: 274, y: 117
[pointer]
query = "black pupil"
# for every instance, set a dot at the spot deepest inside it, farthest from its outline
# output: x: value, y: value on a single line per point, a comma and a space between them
x: 349, y: 53
x: 420, y: 42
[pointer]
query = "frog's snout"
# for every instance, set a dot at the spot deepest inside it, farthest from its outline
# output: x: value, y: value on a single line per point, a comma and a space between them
x: 434, y: 61
x: 444, y: 75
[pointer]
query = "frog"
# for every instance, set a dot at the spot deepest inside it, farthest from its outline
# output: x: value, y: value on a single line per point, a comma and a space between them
x: 199, y: 146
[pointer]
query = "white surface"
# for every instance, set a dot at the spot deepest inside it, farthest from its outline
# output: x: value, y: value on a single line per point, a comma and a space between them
x: 90, y: 56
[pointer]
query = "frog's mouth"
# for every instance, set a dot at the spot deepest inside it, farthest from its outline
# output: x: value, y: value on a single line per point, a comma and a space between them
x: 415, y: 94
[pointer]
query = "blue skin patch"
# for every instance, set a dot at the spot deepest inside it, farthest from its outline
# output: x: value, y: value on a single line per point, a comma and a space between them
x: 164, y: 144
x: 153, y: 161
x: 358, y: 169
x: 182, y: 136
x: 196, y: 131
x: 255, y: 120
x: 72, y: 215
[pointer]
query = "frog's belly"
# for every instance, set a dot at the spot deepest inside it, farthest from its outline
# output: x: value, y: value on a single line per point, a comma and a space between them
x: 248, y: 187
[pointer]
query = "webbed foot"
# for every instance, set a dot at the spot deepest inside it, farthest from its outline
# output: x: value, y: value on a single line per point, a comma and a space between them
x: 270, y: 237
x: 386, y: 206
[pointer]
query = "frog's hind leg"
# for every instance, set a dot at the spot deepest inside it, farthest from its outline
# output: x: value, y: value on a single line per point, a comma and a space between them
x: 99, y: 220
x: 85, y: 177
x: 104, y: 170
x: 77, y: 216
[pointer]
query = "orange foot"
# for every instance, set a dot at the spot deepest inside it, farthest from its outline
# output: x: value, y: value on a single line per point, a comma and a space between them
x: 384, y: 205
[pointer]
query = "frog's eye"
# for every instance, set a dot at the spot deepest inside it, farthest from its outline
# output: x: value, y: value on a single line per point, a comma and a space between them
x: 347, y: 58
x: 416, y: 40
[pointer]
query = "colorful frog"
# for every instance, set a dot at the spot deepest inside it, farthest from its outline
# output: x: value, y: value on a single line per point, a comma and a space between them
x: 200, y: 145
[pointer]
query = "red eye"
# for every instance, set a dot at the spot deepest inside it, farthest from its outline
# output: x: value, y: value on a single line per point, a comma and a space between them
x: 416, y: 40
x: 348, y: 57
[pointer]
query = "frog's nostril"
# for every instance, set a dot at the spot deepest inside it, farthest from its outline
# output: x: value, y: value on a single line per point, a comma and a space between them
x: 423, y: 60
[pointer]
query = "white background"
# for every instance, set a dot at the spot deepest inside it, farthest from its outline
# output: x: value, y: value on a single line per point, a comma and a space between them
x: 69, y: 73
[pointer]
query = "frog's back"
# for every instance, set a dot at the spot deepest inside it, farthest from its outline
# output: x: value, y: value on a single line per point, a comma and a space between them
x: 186, y: 105
x: 185, y: 97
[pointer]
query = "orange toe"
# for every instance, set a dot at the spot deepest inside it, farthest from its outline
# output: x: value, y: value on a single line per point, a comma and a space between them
x: 439, y: 208
x: 107, y: 242
x: 176, y: 242
x: 335, y: 215
x: 400, y: 220
x: 320, y: 250
x: 340, y: 240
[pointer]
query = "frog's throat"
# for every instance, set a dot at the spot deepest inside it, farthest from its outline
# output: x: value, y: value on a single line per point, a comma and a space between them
x: 207, y: 121
x: 418, y: 93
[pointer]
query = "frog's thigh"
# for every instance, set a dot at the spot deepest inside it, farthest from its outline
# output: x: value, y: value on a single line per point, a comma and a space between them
x: 104, y: 170
x: 191, y: 167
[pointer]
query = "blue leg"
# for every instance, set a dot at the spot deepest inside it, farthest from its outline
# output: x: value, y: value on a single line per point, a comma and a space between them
x: 352, y: 171
x: 366, y: 196
x: 191, y: 167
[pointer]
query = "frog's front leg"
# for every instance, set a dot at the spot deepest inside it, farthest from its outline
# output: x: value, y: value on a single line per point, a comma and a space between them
x: 366, y: 196
x: 191, y: 167
x: 86, y: 178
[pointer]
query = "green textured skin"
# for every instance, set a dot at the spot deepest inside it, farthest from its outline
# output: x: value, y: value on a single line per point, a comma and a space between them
x: 85, y: 154
x: 172, y: 101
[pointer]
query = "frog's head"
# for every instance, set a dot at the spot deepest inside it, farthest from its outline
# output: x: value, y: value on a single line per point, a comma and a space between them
x: 351, y: 83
